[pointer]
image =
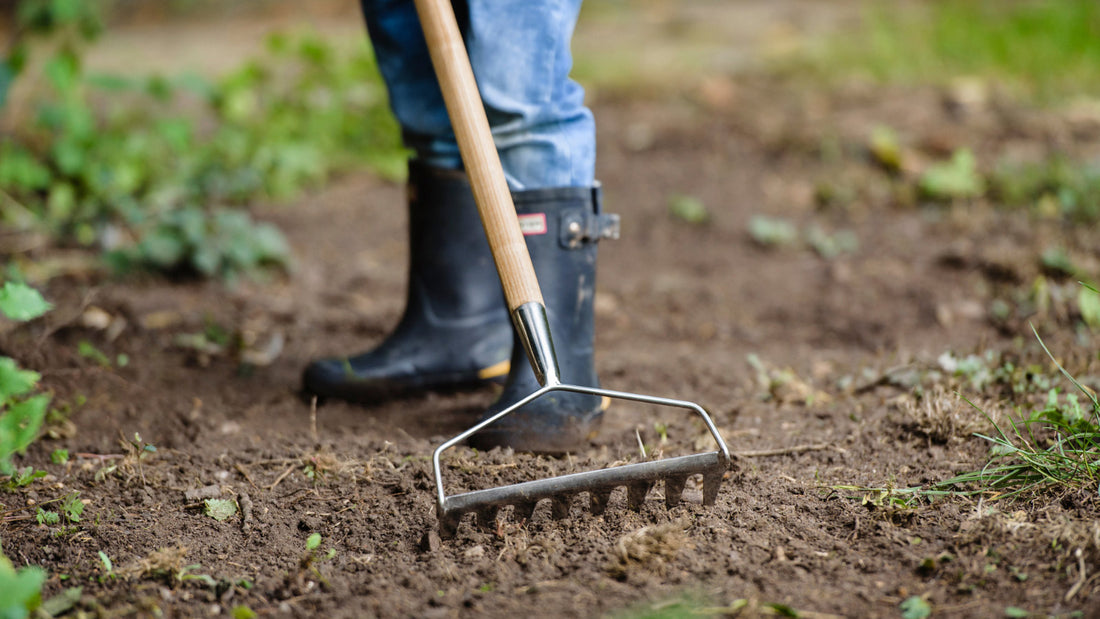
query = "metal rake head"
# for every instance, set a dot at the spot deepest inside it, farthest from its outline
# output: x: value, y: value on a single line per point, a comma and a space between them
x: 638, y: 478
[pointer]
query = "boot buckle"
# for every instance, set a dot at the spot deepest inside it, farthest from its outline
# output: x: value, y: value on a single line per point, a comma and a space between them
x: 578, y: 227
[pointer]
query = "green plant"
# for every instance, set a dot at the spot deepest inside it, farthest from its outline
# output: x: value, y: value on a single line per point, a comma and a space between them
x: 59, y: 456
x: 163, y: 178
x: 108, y: 566
x: 20, y: 590
x: 21, y: 411
x: 47, y: 517
x: 915, y: 607
x: 772, y: 231
x: 1054, y: 187
x: 72, y: 507
x: 953, y: 180
x: 688, y: 209
x: 219, y: 509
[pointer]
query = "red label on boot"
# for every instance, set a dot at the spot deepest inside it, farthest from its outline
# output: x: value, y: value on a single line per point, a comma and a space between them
x: 533, y: 224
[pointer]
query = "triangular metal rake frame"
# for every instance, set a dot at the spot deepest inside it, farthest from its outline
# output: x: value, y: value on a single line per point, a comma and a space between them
x: 638, y: 478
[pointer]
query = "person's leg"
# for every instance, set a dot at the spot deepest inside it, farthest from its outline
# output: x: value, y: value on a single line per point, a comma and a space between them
x: 454, y: 332
x: 520, y: 52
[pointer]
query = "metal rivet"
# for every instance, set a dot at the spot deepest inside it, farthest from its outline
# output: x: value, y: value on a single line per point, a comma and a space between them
x: 574, y: 227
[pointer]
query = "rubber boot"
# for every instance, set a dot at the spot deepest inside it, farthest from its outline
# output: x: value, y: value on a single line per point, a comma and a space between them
x: 562, y: 227
x: 455, y: 333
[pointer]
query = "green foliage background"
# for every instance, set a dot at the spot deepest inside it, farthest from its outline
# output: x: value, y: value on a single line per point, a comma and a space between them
x: 157, y: 171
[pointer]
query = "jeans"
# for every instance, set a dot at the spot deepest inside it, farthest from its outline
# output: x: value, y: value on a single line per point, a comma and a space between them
x: 521, y: 59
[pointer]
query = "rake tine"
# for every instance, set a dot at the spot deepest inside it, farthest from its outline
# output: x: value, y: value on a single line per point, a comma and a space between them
x: 448, y: 525
x: 524, y: 511
x: 487, y: 517
x: 674, y: 489
x: 712, y: 480
x: 598, y: 500
x: 636, y: 492
x: 559, y: 507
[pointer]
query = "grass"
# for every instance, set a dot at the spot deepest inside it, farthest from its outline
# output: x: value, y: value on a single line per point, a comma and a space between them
x: 1054, y: 449
x: 1042, y: 49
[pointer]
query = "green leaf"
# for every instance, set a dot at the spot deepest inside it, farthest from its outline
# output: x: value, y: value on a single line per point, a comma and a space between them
x: 220, y: 509
x: 20, y: 591
x: 47, y: 516
x: 1016, y: 612
x: 885, y: 147
x: 955, y: 179
x: 106, y: 561
x: 688, y: 208
x: 7, y: 76
x: 19, y: 426
x: 21, y: 302
x: 782, y: 610
x: 243, y: 612
x: 313, y: 541
x: 14, y: 381
x: 72, y: 506
x: 1088, y: 301
x: 772, y: 231
x: 62, y: 602
x: 915, y: 607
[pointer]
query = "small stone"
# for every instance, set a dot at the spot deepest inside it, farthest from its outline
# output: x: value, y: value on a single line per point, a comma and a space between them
x: 430, y: 542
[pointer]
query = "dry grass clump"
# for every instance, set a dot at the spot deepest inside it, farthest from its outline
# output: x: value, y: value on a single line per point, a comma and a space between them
x: 161, y: 563
x: 943, y: 416
x: 651, y: 547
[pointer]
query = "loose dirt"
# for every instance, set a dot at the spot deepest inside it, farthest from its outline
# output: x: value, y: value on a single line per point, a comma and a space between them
x: 797, y: 356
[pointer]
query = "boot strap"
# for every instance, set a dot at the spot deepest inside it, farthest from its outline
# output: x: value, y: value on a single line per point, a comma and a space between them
x: 579, y: 226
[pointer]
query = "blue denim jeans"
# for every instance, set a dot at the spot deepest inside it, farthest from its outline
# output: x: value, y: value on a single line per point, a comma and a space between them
x: 520, y: 54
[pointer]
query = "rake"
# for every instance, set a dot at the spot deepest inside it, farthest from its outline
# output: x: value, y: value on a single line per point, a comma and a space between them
x: 528, y: 312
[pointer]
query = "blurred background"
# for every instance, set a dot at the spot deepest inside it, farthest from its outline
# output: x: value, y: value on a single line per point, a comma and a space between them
x: 139, y: 129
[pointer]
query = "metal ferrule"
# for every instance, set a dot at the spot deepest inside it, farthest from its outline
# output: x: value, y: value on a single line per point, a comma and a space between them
x: 534, y: 333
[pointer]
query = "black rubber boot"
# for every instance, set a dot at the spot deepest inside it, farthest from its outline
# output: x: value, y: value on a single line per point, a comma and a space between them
x: 455, y: 333
x: 562, y: 227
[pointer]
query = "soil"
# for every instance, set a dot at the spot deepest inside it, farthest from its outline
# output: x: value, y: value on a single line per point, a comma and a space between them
x: 800, y: 359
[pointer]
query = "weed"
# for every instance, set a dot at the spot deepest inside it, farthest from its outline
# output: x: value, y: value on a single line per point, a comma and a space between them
x: 108, y: 567
x: 957, y: 179
x: 23, y: 477
x: 688, y: 209
x: 72, y: 507
x: 312, y: 556
x: 88, y: 350
x: 915, y: 607
x: 1057, y: 187
x: 22, y: 589
x: 771, y: 231
x: 47, y: 517
x: 130, y: 466
x: 219, y: 509
x: 168, y: 564
x: 21, y: 411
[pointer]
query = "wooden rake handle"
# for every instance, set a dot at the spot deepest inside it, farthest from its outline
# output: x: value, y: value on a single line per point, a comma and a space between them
x: 479, y: 153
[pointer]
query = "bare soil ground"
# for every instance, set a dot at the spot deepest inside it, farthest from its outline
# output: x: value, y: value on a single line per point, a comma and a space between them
x: 680, y: 309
